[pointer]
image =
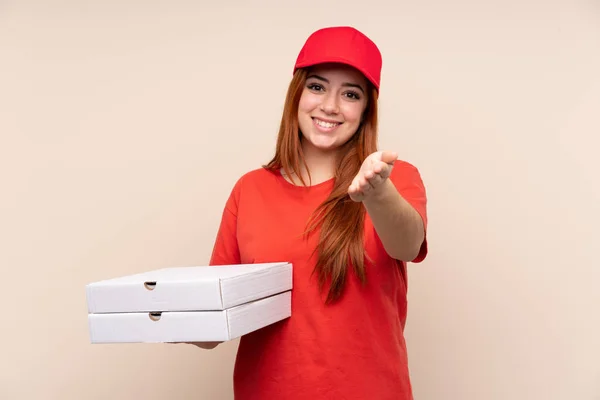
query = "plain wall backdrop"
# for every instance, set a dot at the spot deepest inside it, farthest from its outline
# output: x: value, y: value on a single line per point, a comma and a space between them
x: 124, y: 125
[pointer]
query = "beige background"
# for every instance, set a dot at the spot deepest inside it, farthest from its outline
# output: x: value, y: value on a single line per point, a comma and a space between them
x: 125, y: 124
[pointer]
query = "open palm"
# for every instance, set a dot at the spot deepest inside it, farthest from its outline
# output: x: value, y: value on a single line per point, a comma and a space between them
x: 376, y: 168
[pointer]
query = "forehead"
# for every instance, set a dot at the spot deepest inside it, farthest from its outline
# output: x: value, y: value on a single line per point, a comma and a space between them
x: 338, y: 72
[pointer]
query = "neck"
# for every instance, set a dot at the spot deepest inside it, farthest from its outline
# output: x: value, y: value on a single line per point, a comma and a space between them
x: 321, y: 164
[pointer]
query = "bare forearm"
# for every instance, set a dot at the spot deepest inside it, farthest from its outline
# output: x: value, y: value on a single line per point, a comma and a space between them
x: 396, y: 222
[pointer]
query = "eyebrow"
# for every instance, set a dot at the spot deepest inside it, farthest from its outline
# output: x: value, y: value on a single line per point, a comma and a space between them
x: 347, y: 84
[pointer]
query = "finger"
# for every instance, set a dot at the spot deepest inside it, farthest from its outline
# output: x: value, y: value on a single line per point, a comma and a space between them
x: 374, y: 159
x: 355, y: 184
x: 384, y: 169
x: 356, y: 198
x: 376, y: 180
x: 389, y: 157
x: 355, y: 189
x: 365, y: 185
x: 355, y: 195
x: 377, y: 168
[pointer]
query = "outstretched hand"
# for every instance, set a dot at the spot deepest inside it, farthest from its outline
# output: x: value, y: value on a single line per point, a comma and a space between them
x: 376, y: 168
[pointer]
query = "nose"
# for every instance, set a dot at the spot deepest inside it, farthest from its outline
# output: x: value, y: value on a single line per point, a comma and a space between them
x: 330, y: 104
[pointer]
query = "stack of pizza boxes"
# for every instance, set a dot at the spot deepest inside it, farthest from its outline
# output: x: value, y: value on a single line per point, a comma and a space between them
x: 189, y: 304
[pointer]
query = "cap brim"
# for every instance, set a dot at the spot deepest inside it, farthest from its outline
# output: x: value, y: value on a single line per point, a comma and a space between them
x: 338, y: 60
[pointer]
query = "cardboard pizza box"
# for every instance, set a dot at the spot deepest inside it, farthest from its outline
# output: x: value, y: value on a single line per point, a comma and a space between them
x: 196, y: 288
x: 189, y: 326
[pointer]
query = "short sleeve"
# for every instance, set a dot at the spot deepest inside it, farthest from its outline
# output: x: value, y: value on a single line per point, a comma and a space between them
x: 226, y: 250
x: 407, y: 179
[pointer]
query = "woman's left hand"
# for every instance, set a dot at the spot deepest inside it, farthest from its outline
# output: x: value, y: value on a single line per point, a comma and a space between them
x: 376, y: 168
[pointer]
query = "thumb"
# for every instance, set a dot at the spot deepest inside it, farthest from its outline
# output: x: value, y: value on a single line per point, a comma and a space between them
x: 389, y: 157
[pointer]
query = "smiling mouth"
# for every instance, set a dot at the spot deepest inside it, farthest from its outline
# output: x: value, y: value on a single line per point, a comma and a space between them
x: 325, y: 124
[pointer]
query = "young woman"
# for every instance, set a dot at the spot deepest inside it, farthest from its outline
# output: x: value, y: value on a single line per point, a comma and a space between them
x: 349, y: 218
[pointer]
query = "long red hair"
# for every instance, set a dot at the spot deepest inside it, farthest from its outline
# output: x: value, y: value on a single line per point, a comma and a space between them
x: 341, y: 220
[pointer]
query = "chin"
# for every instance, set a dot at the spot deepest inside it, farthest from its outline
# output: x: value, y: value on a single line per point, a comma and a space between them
x: 326, y: 149
x: 322, y: 144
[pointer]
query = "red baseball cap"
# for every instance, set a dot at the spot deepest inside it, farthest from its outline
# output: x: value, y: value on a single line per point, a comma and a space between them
x: 345, y: 45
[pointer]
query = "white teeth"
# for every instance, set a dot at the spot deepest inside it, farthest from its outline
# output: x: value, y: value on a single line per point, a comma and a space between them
x: 326, y: 124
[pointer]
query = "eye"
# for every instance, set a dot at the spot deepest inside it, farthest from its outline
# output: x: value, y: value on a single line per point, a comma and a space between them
x: 314, y: 86
x: 352, y: 95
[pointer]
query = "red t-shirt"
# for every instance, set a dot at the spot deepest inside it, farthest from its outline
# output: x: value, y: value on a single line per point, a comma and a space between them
x: 353, y: 349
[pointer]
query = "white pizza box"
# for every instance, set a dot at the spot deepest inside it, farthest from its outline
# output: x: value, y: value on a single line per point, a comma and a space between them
x: 196, y: 288
x: 189, y: 326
